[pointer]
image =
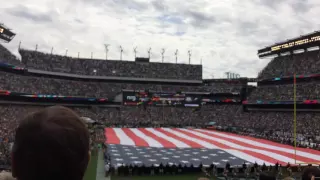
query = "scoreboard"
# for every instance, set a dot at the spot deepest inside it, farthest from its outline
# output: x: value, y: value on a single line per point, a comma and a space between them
x: 5, y: 34
x: 179, y: 99
x: 167, y: 99
x: 297, y: 43
x: 135, y: 98
x: 161, y: 99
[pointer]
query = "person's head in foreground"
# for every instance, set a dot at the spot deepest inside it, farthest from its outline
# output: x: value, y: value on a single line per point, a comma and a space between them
x: 310, y: 173
x: 51, y: 144
x: 6, y: 176
x: 265, y: 176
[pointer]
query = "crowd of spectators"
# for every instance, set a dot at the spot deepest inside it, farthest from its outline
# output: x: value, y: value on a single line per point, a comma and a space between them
x: 301, y: 64
x: 34, y: 84
x: 262, y: 124
x: 8, y: 123
x: 176, y: 116
x: 285, y: 92
x: 26, y: 83
x: 276, y: 126
x: 57, y: 63
x: 246, y: 171
x: 252, y: 171
x: 7, y: 57
x: 44, y: 151
x: 133, y: 116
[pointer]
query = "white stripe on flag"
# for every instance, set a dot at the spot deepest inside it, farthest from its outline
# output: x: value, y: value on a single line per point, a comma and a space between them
x: 237, y: 146
x: 149, y: 140
x: 124, y: 139
x: 176, y: 142
x: 246, y: 157
x: 202, y: 143
x: 267, y: 146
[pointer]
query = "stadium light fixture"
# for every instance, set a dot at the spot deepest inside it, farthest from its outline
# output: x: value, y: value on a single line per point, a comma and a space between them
x: 176, y: 54
x: 149, y: 52
x: 189, y: 53
x: 162, y: 53
x: 121, y: 51
x: 231, y: 75
x: 106, y: 46
x: 135, y: 52
x: 227, y: 74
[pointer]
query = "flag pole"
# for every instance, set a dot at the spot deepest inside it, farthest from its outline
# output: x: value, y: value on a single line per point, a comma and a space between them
x: 295, y: 117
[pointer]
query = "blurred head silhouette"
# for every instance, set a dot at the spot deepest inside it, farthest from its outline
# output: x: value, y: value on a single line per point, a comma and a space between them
x: 51, y: 144
x: 6, y: 176
x: 310, y: 173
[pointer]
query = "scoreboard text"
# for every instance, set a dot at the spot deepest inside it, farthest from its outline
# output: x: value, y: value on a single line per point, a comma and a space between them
x: 302, y: 42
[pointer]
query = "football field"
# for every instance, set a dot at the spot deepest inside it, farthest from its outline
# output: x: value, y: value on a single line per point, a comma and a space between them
x: 91, y: 173
x: 92, y: 167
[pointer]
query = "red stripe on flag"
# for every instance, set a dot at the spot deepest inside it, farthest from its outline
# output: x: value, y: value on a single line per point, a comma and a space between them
x: 111, y: 136
x: 311, y: 151
x: 220, y: 145
x: 263, y: 157
x: 289, y: 155
x: 186, y: 141
x: 165, y: 143
x: 137, y: 140
x: 223, y: 146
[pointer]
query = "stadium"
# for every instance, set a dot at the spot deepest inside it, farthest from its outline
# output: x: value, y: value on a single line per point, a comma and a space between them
x: 152, y: 120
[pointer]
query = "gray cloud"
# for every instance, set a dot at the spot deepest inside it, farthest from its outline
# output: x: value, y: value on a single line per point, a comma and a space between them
x: 132, y: 4
x: 224, y: 34
x: 200, y: 19
x: 301, y: 6
x: 269, y: 3
x: 159, y: 5
x: 122, y: 4
x: 26, y: 13
x: 78, y: 20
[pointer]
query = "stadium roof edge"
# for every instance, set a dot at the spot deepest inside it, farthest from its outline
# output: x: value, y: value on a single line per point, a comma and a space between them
x: 114, y: 78
x: 291, y: 39
x: 2, y: 24
x: 124, y: 60
x: 226, y: 79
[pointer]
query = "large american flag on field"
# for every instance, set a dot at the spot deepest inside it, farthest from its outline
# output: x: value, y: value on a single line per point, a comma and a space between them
x: 194, y: 146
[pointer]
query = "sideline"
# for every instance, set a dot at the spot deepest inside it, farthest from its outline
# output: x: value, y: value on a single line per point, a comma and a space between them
x: 100, y: 167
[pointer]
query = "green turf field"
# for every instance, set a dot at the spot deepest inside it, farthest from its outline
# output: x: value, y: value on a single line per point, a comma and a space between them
x: 92, y: 167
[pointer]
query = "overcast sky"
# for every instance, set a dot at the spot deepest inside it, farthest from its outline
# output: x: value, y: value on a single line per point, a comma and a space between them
x: 225, y: 34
